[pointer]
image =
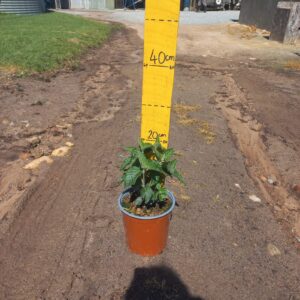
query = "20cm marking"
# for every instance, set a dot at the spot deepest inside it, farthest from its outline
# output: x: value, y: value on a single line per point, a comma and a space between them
x: 154, y: 134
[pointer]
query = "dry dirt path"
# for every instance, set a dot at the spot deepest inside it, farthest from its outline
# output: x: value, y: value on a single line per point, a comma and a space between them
x: 68, y: 241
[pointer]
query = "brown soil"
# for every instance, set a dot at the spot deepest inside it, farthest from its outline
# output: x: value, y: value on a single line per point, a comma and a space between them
x: 64, y: 238
x: 143, y: 210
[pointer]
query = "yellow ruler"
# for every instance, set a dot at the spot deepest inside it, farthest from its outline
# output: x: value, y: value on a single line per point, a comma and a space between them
x: 160, y: 41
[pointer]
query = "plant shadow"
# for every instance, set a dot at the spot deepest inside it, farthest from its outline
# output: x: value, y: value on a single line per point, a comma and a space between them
x: 157, y: 283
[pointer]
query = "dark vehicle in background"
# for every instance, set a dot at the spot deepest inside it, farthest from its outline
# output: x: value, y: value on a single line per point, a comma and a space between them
x: 223, y: 4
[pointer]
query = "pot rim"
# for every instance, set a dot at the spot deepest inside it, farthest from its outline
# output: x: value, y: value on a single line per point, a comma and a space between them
x: 124, y: 193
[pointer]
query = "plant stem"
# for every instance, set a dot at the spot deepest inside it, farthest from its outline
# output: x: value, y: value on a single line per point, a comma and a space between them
x: 143, y: 181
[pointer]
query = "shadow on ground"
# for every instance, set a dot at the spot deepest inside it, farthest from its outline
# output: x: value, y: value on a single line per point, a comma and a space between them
x: 157, y: 283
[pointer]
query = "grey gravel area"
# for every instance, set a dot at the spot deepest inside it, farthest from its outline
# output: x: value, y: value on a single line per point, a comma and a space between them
x: 188, y: 18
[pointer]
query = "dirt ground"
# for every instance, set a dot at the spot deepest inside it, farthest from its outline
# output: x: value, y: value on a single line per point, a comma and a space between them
x: 235, y: 124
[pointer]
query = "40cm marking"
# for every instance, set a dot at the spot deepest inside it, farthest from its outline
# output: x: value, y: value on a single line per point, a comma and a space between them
x: 161, y: 57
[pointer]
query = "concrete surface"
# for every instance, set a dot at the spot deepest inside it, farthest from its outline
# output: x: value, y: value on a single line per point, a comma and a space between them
x: 186, y: 17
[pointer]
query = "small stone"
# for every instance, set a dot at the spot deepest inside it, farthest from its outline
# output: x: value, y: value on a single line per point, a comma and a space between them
x: 238, y: 186
x: 273, y: 250
x: 255, y: 198
x: 69, y: 144
x: 60, y: 152
x: 272, y: 180
x: 37, y: 162
x: 263, y: 178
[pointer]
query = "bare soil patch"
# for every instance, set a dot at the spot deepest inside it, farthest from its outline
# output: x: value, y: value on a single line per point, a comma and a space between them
x: 67, y: 241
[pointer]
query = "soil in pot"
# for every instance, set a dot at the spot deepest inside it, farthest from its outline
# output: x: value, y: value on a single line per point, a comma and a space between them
x: 144, y: 210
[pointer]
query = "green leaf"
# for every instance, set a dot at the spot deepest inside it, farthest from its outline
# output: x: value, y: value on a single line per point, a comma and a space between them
x: 126, y: 163
x: 145, y: 146
x: 147, y: 193
x: 162, y: 194
x: 178, y: 176
x: 171, y: 167
x: 130, y: 176
x: 157, y: 143
x: 158, y: 149
x: 138, y: 201
x: 167, y: 154
x: 155, y: 178
x: 130, y: 149
x: 149, y: 164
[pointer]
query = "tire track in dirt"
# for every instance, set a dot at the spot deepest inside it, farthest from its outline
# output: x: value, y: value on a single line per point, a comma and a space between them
x: 247, y: 133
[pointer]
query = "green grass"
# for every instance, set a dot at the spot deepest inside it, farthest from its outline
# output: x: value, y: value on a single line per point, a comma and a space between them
x: 45, y: 42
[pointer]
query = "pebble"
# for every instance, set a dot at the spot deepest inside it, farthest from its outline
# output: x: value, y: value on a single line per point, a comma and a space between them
x: 37, y: 162
x: 60, y: 152
x: 255, y: 198
x: 238, y: 186
x: 263, y: 178
x: 273, y: 250
x: 272, y: 180
x: 69, y: 144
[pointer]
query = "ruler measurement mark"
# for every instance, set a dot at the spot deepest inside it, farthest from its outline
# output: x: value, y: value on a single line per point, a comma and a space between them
x: 159, y: 66
x: 152, y: 105
x: 169, y: 67
x: 162, y: 20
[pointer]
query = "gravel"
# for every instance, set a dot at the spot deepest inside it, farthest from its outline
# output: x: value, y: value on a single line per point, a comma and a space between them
x: 187, y: 18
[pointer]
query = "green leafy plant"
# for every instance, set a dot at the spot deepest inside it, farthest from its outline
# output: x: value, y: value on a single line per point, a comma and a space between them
x: 145, y: 171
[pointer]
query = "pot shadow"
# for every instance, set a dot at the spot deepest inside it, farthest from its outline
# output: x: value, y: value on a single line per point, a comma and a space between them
x: 157, y: 283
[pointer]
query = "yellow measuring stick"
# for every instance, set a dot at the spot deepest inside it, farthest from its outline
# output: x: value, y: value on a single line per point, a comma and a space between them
x: 160, y: 41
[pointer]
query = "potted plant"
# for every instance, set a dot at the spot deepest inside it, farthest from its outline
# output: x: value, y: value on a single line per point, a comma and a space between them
x: 146, y: 203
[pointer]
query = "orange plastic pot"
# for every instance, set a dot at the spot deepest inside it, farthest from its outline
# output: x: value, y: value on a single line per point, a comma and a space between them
x: 146, y: 236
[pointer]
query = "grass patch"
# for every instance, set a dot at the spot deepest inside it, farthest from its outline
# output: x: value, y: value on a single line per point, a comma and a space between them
x: 46, y: 42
